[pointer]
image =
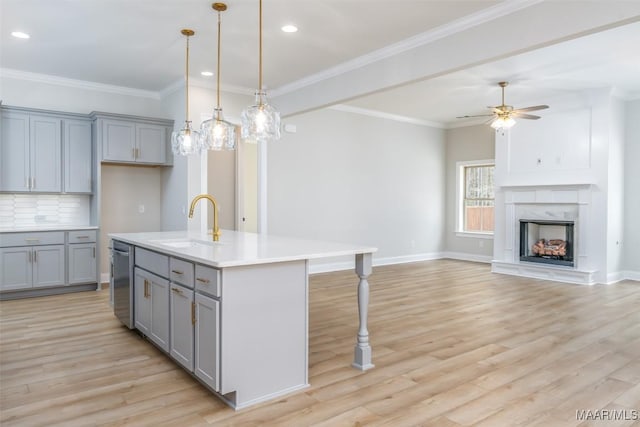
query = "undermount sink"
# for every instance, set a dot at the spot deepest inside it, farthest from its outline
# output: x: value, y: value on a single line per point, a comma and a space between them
x: 182, y: 243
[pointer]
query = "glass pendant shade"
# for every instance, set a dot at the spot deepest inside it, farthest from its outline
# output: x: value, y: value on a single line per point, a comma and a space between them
x: 261, y: 121
x: 503, y: 122
x: 217, y: 133
x: 185, y: 141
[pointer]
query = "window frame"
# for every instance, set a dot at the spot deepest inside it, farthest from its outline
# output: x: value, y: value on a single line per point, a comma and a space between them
x: 460, y: 192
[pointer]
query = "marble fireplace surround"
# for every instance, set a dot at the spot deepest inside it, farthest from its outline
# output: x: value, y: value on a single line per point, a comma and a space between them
x: 553, y: 203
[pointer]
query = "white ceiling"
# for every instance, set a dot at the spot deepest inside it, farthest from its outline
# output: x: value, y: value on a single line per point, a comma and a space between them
x: 137, y: 44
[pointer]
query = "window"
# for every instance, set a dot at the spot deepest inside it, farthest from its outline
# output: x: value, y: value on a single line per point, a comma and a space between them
x: 476, y: 197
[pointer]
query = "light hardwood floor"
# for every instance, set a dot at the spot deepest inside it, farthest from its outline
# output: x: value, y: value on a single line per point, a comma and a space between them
x: 454, y: 345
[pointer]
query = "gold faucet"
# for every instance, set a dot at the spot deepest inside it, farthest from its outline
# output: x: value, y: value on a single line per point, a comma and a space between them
x: 194, y: 202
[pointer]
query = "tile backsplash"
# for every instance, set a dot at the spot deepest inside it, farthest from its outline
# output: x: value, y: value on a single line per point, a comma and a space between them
x: 19, y: 210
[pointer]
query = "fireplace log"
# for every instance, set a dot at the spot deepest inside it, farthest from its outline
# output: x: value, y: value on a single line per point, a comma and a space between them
x: 553, y: 247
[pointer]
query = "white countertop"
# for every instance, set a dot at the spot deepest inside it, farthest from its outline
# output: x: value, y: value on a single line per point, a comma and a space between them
x: 45, y: 227
x: 237, y: 248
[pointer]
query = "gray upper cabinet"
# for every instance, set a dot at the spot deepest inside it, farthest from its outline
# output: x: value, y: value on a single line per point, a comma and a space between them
x: 30, y: 153
x: 78, y: 158
x: 45, y: 152
x: 129, y: 139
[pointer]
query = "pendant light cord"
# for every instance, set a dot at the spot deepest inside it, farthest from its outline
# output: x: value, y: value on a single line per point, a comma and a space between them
x: 260, y: 52
x: 187, y: 80
x: 218, y: 70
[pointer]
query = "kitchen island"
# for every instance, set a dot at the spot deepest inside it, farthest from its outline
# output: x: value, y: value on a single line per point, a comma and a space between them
x: 234, y: 313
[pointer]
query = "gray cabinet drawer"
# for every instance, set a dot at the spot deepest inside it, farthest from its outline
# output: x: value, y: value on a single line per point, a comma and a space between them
x: 152, y: 261
x: 181, y: 272
x: 33, y: 238
x: 82, y: 236
x: 208, y: 280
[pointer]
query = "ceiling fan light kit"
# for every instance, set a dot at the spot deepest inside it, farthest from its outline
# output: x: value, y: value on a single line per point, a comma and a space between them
x: 503, y: 116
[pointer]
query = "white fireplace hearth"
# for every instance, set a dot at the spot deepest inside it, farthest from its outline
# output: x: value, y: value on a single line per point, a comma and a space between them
x: 553, y: 204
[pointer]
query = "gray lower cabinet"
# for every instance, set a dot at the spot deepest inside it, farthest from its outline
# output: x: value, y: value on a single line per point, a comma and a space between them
x: 81, y: 263
x: 207, y: 341
x: 32, y: 267
x: 182, y: 322
x: 152, y: 306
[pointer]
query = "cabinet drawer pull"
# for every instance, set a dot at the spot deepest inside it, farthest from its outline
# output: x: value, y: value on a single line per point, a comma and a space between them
x: 176, y: 290
x: 32, y: 240
x: 201, y: 280
x: 82, y: 237
x: 177, y: 271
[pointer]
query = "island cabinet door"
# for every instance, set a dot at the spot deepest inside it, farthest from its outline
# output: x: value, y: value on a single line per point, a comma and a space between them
x: 182, y: 321
x: 207, y: 341
x: 142, y: 302
x: 159, y: 311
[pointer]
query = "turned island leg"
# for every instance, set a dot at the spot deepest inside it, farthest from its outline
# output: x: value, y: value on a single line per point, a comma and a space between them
x: 362, y: 356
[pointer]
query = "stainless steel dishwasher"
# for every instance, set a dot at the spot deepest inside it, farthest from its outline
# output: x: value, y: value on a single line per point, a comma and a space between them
x: 122, y: 276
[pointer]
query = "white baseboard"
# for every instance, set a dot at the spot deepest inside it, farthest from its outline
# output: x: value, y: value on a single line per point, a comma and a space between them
x: 616, y: 277
x: 468, y: 257
x: 631, y: 275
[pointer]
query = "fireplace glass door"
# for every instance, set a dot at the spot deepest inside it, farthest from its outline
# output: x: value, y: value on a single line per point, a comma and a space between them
x: 548, y: 242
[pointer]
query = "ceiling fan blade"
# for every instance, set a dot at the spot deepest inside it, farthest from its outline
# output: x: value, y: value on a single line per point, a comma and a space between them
x: 534, y: 108
x: 525, y: 116
x: 468, y: 117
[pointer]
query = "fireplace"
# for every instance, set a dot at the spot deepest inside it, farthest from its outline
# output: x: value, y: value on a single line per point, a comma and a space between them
x: 547, y: 241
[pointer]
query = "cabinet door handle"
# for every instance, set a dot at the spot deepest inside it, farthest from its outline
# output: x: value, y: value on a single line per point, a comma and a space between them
x: 35, y: 256
x: 176, y: 290
x: 33, y: 183
x: 137, y: 153
x: 201, y: 280
x: 30, y: 256
x: 27, y: 182
x: 94, y: 252
x: 146, y: 288
x: 193, y: 313
x: 133, y: 153
x: 177, y: 271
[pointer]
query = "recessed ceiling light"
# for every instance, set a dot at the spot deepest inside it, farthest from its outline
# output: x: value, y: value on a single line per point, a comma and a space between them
x: 207, y: 73
x: 289, y: 28
x: 20, y: 35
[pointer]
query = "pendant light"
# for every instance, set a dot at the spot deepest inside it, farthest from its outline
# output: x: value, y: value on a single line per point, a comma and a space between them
x: 186, y: 141
x: 261, y: 121
x: 216, y: 132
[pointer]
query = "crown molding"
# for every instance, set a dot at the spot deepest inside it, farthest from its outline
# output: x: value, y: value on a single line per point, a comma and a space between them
x: 383, y: 115
x: 78, y: 84
x: 456, y: 26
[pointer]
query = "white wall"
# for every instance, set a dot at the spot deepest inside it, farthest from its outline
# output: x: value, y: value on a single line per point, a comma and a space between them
x: 631, y: 245
x: 125, y: 189
x: 49, y: 96
x: 351, y: 178
x: 615, y: 192
x: 465, y: 144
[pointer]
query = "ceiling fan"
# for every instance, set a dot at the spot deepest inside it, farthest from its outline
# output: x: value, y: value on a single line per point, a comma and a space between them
x: 503, y: 115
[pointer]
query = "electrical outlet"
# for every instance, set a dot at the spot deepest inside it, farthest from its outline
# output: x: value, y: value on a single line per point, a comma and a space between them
x: 140, y: 208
